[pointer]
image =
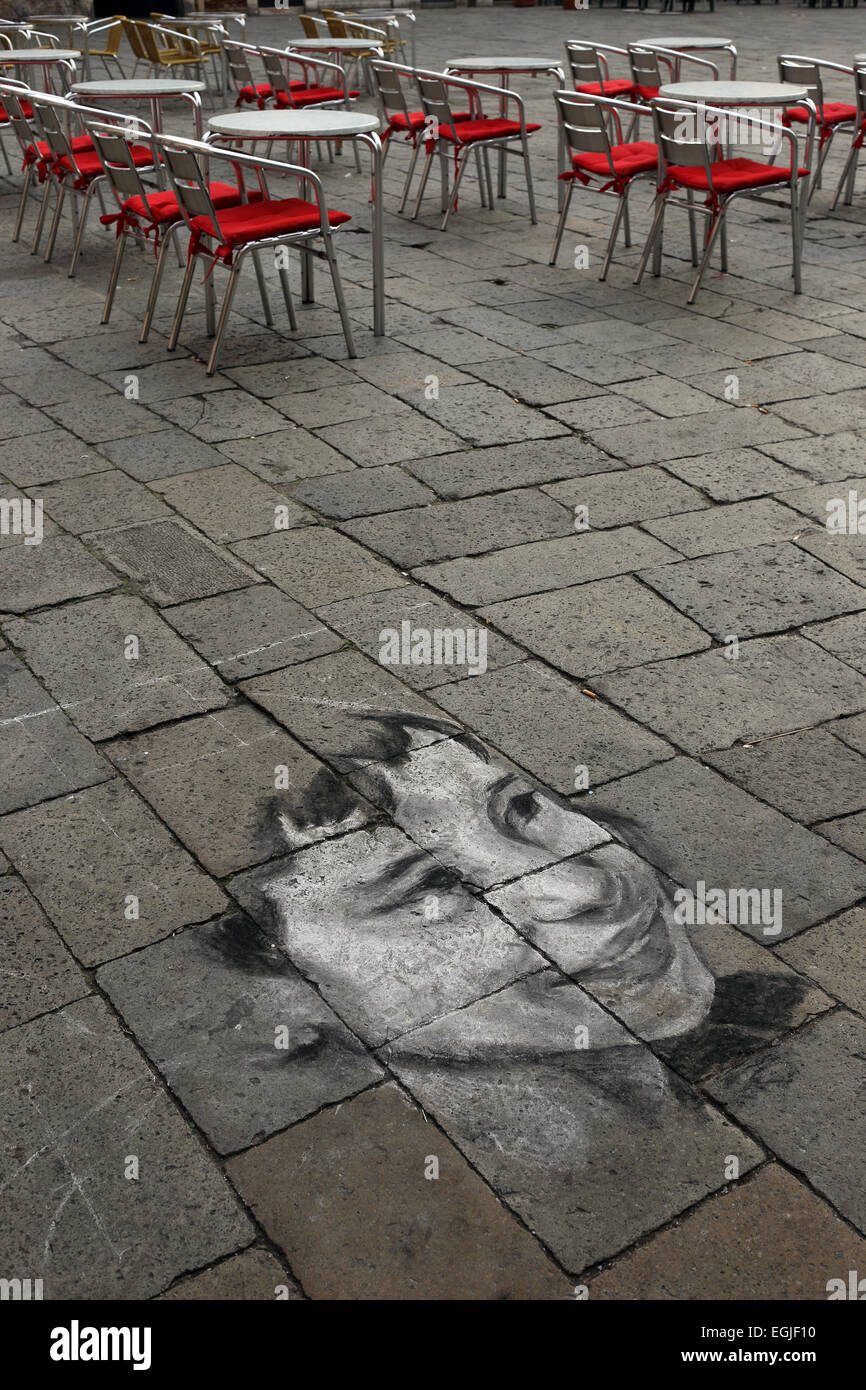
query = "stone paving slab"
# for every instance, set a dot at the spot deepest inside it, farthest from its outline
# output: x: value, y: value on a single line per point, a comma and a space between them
x: 68, y: 1080
x: 317, y: 567
x: 231, y: 786
x: 170, y: 561
x: 768, y: 1238
x: 773, y: 771
x: 728, y: 839
x: 833, y: 954
x: 747, y: 592
x: 99, y: 501
x: 369, y: 491
x: 633, y: 495
x: 421, y: 535
x: 247, y: 631
x: 493, y: 1077
x: 41, y: 753
x: 254, y: 1274
x: 774, y: 686
x: 244, y: 1062
x: 109, y: 875
x: 735, y: 474
x: 534, y: 461
x: 550, y: 727
x: 598, y: 626
x: 825, y: 459
x: 115, y: 693
x: 802, y: 1099
x: 39, y: 975
x: 394, y: 1231
x: 228, y: 503
x: 542, y: 565
x: 52, y: 455
x: 60, y: 568
x: 728, y: 528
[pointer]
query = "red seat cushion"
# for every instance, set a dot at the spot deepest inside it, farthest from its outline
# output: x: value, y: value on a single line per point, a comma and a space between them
x: 79, y: 144
x: 164, y: 206
x: 250, y: 221
x: 615, y: 87
x: 729, y: 175
x: 638, y: 158
x: 312, y: 96
x: 261, y: 90
x: 416, y: 120
x: 89, y: 165
x: 26, y: 110
x: 488, y: 128
x: 647, y: 92
x: 835, y: 112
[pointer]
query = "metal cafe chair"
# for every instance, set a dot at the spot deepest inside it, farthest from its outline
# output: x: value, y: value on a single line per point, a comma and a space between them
x: 832, y: 115
x: 692, y: 158
x: 588, y: 66
x: 16, y: 115
x: 227, y: 237
x: 585, y: 123
x: 73, y: 166
x: 399, y: 120
x: 849, y: 171
x: 480, y: 133
x: 646, y: 70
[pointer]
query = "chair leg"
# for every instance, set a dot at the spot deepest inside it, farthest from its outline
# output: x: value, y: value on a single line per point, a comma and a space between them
x: 287, y: 297
x: 52, y: 235
x: 338, y: 294
x: 712, y: 233
x: 40, y: 221
x: 79, y: 235
x: 5, y: 156
x: 156, y: 281
x: 425, y: 174
x: 113, y: 278
x: 654, y: 235
x: 529, y: 189
x: 693, y: 236
x: 488, y: 176
x: 560, y: 226
x: 614, y: 232
x: 849, y: 168
x: 209, y: 306
x: 181, y: 303
x: 22, y: 202
x: 452, y: 205
x: 408, y: 183
x: 796, y: 235
x: 480, y: 170
x: 224, y: 318
x: 263, y: 290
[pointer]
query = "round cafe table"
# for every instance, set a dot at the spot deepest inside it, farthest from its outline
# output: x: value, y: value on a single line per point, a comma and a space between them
x: 695, y: 43
x: 40, y: 57
x: 154, y: 90
x: 504, y: 68
x: 317, y: 123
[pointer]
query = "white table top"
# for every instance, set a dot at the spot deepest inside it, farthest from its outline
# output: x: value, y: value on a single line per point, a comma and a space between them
x: 309, y: 124
x: 324, y: 44
x: 37, y: 20
x: 144, y: 87
x: 736, y: 93
x: 684, y: 45
x: 358, y: 15
x: 500, y: 64
x: 38, y: 55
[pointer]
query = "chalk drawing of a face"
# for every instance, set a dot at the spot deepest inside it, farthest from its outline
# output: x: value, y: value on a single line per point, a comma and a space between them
x: 518, y: 967
x: 404, y: 923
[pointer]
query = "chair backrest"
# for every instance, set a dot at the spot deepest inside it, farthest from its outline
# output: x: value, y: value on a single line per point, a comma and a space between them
x: 686, y: 135
x: 584, y: 63
x: 111, y: 35
x: 52, y: 129
x: 389, y: 90
x: 802, y: 73
x: 189, y: 184
x: 337, y: 27
x: 860, y: 90
x: 274, y: 64
x: 311, y: 26
x: 238, y: 59
x: 644, y: 66
x: 12, y: 95
x: 148, y: 39
x: 130, y: 28
x: 114, y: 144
x: 433, y: 91
x: 584, y: 124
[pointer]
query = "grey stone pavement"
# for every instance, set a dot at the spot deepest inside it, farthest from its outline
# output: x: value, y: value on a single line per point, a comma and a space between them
x: 227, y: 1069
